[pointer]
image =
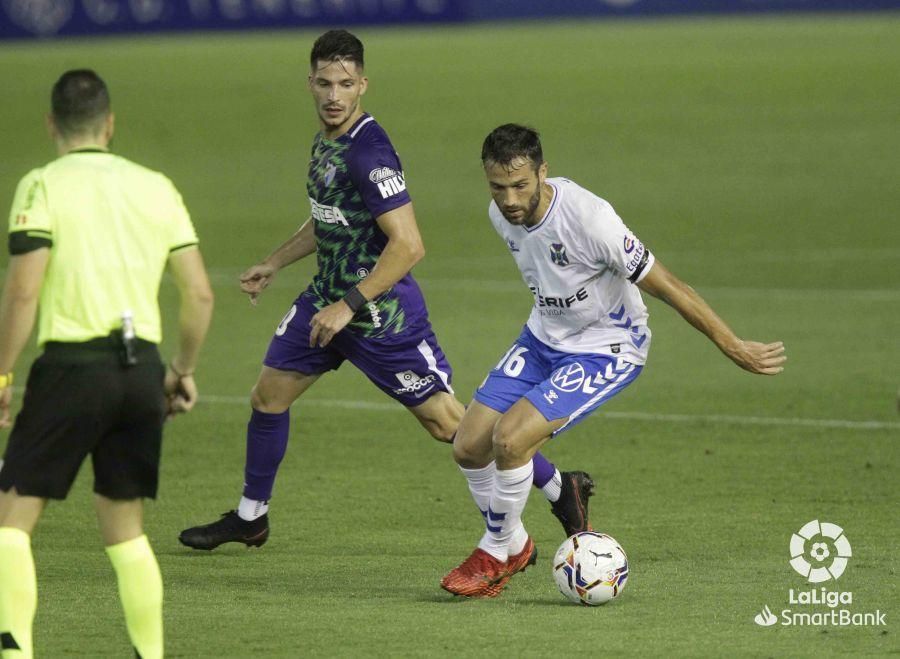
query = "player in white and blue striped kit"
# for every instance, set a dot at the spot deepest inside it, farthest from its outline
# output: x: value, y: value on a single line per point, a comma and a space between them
x: 585, y: 341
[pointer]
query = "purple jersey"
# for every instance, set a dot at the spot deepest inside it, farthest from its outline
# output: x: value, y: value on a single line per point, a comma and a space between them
x: 353, y: 180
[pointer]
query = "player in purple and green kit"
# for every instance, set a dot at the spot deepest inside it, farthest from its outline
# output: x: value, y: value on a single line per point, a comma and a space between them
x: 362, y: 305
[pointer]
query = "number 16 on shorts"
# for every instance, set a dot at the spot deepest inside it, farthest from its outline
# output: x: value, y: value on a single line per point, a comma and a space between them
x: 513, y: 362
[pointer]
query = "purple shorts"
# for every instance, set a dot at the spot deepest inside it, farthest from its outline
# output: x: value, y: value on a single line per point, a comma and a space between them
x: 409, y: 366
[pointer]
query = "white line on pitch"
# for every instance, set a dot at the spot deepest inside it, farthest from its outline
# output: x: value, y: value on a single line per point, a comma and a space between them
x: 636, y: 416
x: 514, y: 284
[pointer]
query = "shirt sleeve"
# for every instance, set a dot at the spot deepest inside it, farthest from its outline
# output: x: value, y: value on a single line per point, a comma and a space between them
x: 182, y: 233
x: 30, y: 224
x: 611, y: 243
x: 376, y: 172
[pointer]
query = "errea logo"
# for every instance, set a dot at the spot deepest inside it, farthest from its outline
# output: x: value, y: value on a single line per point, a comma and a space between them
x: 389, y: 181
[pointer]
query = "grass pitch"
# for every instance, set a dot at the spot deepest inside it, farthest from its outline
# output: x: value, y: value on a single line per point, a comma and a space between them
x: 757, y: 157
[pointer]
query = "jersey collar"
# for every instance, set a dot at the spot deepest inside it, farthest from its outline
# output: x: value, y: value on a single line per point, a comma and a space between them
x: 549, y: 209
x: 351, y: 134
x: 358, y: 125
x: 88, y: 149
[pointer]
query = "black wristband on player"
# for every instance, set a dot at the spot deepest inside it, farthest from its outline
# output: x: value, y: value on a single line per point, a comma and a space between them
x: 355, y: 300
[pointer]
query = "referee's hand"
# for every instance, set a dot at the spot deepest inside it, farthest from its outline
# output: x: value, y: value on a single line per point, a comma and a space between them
x: 181, y: 393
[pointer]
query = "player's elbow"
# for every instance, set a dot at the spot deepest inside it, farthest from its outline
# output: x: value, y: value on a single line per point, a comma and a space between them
x: 416, y: 251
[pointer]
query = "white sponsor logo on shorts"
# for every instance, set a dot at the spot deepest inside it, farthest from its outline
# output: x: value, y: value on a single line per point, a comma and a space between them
x: 568, y: 378
x: 413, y: 383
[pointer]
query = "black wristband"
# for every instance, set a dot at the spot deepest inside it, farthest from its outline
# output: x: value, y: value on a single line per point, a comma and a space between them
x: 355, y: 300
x: 179, y: 374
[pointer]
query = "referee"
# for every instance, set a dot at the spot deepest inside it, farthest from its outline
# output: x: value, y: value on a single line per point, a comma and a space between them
x: 89, y: 236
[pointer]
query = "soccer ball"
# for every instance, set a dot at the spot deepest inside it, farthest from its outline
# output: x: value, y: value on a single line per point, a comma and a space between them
x: 590, y: 568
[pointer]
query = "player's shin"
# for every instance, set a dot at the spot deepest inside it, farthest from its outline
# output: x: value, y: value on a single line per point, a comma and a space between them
x: 481, y: 484
x: 267, y: 437
x: 18, y: 593
x: 141, y: 593
x: 504, y: 515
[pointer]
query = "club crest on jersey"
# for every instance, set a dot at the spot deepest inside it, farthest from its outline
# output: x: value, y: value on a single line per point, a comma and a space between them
x: 558, y: 254
x: 330, y: 172
x: 389, y: 181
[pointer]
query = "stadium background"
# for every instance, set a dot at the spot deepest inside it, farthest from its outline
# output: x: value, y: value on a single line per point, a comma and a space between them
x: 755, y: 153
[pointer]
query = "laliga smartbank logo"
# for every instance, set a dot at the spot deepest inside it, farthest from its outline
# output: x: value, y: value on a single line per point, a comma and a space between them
x: 825, y: 545
x: 819, y: 552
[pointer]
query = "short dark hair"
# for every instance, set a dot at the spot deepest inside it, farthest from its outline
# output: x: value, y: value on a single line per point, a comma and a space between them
x: 337, y: 45
x: 78, y: 100
x: 508, y: 142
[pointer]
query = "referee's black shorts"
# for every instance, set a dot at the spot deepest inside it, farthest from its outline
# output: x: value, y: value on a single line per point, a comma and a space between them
x: 79, y: 401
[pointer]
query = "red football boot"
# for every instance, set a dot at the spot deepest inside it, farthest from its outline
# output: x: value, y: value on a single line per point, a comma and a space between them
x: 476, y: 576
x: 517, y: 563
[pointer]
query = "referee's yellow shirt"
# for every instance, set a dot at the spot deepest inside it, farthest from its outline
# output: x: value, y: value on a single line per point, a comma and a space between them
x: 110, y: 225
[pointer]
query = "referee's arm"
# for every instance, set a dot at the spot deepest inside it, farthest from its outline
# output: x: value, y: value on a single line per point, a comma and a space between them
x: 194, y: 316
x: 18, y: 308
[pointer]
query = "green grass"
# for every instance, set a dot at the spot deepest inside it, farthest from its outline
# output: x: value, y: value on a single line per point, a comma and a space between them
x: 757, y: 157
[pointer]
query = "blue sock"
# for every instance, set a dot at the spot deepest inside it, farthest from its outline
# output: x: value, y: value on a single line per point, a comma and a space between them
x: 267, y: 437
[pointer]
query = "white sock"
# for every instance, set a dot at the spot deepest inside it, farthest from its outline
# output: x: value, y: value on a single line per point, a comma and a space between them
x: 481, y: 484
x: 553, y: 488
x: 508, y: 499
x: 250, y: 509
x: 518, y: 540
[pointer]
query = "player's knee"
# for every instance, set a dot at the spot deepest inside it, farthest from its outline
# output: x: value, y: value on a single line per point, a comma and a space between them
x: 505, y: 440
x: 264, y: 401
x: 468, y: 456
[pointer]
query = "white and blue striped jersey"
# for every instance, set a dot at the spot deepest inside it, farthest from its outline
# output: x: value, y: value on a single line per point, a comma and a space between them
x: 582, y: 263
